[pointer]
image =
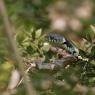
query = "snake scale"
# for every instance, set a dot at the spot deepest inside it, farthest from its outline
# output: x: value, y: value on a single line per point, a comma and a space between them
x: 66, y: 44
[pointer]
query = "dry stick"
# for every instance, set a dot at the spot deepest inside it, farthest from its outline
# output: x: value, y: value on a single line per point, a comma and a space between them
x: 26, y: 73
x: 30, y: 90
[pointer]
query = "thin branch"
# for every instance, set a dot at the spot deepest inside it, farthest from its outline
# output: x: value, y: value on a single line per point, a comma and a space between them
x: 8, y: 30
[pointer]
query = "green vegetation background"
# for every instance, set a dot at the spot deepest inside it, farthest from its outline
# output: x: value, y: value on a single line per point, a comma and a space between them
x: 30, y: 20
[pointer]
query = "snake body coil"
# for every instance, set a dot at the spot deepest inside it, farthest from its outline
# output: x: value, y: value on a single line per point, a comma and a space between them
x: 64, y: 43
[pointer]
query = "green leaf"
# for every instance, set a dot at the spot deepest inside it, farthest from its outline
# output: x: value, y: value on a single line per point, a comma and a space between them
x: 46, y: 47
x: 92, y: 80
x: 25, y: 44
x: 31, y: 30
x: 38, y: 33
x: 20, y: 36
x: 93, y: 28
x: 30, y: 50
x: 93, y: 62
x: 93, y: 51
x: 89, y: 35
